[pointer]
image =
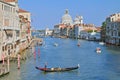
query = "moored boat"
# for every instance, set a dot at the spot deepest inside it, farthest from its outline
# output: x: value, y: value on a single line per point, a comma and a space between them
x: 101, y: 43
x: 57, y: 69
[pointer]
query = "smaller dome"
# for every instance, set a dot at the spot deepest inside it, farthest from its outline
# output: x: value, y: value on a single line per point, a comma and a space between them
x: 78, y: 20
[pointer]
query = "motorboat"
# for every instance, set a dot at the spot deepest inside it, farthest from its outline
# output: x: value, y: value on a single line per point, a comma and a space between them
x: 55, y: 44
x: 98, y: 50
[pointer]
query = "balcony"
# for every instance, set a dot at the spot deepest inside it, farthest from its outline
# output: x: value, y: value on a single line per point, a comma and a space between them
x: 11, y: 28
x: 9, y: 40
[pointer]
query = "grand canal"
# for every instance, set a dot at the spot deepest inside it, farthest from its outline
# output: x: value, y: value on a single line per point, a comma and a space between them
x: 93, y: 66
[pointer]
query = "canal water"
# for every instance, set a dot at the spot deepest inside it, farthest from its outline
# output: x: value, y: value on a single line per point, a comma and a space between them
x: 93, y: 66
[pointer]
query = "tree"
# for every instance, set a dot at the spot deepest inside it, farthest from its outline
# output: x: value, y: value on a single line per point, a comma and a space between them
x: 103, y: 31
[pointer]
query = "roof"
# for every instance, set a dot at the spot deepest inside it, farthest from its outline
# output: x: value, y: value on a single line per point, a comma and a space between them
x: 23, y: 11
x: 10, y: 0
x: 7, y: 2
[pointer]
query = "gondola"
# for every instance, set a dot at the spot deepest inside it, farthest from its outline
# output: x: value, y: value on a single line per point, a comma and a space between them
x: 57, y: 69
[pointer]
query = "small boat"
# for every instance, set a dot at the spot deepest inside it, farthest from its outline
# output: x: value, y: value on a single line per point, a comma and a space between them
x: 98, y: 50
x: 57, y: 69
x: 78, y: 44
x: 55, y: 44
x: 40, y: 43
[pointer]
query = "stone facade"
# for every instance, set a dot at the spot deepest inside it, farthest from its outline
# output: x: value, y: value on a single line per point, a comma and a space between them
x: 113, y: 29
x: 10, y: 28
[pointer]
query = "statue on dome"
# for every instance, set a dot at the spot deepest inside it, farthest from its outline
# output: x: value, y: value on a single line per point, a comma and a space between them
x: 66, y: 11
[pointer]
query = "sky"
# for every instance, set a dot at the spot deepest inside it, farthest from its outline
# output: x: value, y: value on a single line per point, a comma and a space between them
x: 47, y: 13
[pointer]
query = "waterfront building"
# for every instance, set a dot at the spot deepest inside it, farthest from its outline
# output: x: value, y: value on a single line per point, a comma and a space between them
x: 71, y: 32
x: 23, y: 32
x: 48, y: 32
x: 84, y: 34
x: 113, y: 29
x: 57, y: 31
x: 25, y: 28
x: 94, y: 36
x: 70, y: 29
x: 65, y: 30
x: 78, y: 26
x: 77, y: 30
x: 9, y: 25
x: 65, y: 27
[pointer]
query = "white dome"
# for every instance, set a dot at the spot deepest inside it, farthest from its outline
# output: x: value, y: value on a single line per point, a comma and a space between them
x: 76, y: 21
x: 66, y: 18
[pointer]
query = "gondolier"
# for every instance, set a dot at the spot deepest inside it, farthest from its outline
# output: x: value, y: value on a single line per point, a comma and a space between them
x: 45, y: 65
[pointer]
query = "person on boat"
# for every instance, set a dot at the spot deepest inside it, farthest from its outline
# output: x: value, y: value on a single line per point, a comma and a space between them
x: 45, y: 65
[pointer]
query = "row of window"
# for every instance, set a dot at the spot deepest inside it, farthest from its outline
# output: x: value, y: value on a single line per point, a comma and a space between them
x: 4, y: 48
x: 8, y: 8
x: 113, y: 33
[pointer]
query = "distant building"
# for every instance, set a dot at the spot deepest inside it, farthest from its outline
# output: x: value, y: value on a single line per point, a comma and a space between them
x: 78, y: 20
x: 66, y: 18
x: 25, y: 28
x: 57, y: 30
x: 10, y: 27
x: 113, y: 29
x: 72, y: 29
x: 26, y: 14
x: 48, y: 32
x: 77, y: 30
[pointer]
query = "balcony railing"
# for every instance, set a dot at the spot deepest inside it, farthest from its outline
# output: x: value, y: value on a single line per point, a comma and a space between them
x: 11, y: 28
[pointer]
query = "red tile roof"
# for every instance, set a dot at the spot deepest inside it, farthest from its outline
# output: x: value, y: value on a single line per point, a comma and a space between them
x: 23, y: 11
x: 9, y: 0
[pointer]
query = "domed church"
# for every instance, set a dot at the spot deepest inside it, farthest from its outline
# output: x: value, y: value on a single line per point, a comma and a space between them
x: 66, y: 18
